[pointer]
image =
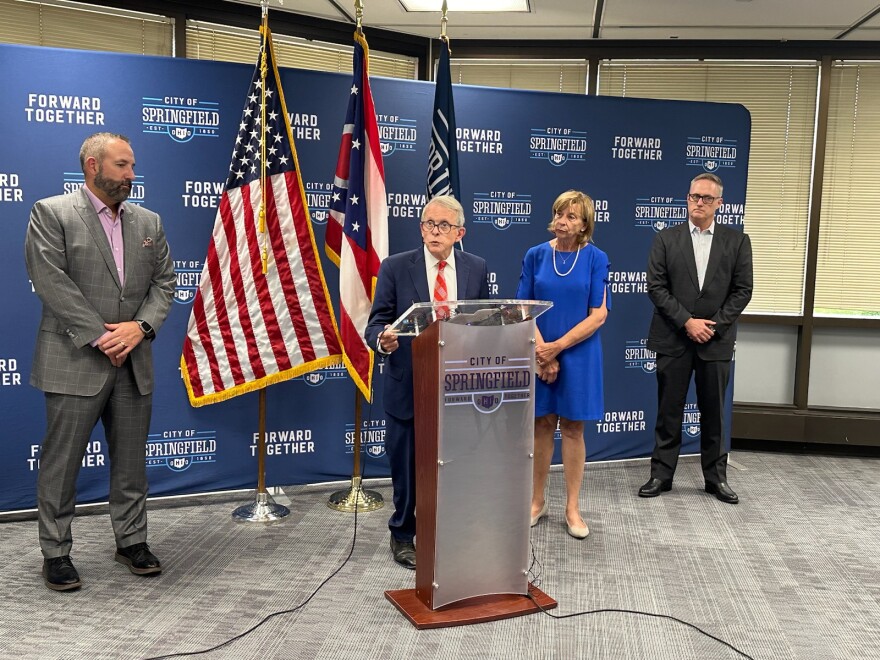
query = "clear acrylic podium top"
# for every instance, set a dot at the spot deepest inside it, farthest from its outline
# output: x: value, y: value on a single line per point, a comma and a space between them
x: 468, y: 312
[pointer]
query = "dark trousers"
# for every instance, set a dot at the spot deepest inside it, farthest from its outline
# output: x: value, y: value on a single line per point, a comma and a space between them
x: 673, y: 380
x: 400, y: 445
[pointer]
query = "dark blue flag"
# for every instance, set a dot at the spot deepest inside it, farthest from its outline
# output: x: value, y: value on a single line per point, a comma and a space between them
x: 442, y: 154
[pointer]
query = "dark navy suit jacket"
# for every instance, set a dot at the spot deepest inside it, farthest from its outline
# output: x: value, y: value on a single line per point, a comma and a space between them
x: 402, y: 282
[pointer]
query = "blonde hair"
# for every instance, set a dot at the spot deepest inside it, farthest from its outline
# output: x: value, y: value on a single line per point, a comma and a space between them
x: 588, y: 213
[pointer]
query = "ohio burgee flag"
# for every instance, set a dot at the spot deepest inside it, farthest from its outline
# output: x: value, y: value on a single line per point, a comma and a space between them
x: 357, y: 232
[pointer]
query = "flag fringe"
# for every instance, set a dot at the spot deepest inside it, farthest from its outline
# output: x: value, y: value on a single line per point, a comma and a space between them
x: 251, y: 386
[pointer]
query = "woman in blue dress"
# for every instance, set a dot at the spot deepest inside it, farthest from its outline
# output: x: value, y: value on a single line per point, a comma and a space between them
x: 573, y: 274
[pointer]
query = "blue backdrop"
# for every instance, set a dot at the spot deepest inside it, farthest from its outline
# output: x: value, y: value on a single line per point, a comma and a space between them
x: 518, y: 150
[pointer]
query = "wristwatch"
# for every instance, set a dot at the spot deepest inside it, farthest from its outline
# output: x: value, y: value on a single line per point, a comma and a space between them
x: 146, y: 328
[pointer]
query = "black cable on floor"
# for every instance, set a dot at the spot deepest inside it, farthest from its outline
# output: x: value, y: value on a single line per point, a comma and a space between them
x: 640, y: 613
x: 273, y: 614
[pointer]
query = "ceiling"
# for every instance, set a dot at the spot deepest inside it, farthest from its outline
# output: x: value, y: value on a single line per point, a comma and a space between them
x: 777, y: 20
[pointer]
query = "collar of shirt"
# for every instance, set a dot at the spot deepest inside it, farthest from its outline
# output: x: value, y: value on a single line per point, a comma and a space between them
x: 693, y: 228
x: 101, y: 208
x: 432, y: 261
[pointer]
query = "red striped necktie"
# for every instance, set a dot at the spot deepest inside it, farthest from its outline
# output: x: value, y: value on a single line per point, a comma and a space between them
x: 440, y: 293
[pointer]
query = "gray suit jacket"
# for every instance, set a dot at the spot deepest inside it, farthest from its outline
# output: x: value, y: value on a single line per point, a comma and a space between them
x: 73, y: 272
x: 674, y: 289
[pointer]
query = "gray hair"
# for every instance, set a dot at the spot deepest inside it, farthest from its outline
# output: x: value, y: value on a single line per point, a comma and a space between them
x: 95, y: 146
x: 714, y: 178
x: 447, y: 202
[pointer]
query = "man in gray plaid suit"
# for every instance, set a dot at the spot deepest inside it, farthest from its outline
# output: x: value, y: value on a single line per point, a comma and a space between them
x: 104, y: 273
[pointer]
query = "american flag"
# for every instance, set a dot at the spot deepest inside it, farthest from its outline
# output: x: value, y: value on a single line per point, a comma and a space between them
x: 442, y: 152
x: 262, y: 313
x: 357, y: 234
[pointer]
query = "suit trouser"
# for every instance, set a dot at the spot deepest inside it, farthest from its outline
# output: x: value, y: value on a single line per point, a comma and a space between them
x: 673, y: 380
x: 125, y: 414
x: 400, y: 445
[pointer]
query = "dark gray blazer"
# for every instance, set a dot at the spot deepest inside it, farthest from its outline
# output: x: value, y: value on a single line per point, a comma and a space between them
x: 674, y: 289
x: 73, y: 272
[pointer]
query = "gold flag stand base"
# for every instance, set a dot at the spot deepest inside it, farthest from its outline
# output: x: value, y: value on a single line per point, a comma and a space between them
x: 355, y: 499
x: 264, y: 510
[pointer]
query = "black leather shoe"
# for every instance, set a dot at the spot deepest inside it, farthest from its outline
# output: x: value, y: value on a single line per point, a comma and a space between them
x: 60, y: 575
x: 404, y: 553
x: 723, y: 492
x: 139, y: 559
x: 654, y: 487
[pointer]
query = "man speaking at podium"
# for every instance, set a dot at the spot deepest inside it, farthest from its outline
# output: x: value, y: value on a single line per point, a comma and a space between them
x: 433, y: 272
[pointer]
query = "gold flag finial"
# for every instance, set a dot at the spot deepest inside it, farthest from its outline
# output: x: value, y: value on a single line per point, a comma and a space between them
x: 359, y: 15
x: 443, y: 23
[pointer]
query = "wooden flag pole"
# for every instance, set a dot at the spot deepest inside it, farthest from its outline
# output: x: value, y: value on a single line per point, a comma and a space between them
x: 356, y: 498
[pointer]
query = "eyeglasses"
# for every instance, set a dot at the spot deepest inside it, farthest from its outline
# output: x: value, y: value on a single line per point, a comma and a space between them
x: 428, y: 226
x: 707, y: 199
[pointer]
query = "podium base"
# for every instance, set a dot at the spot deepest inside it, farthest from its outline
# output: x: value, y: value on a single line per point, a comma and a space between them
x: 479, y: 609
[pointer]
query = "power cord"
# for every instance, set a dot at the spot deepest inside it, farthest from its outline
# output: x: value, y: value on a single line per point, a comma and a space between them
x: 273, y: 614
x: 605, y: 610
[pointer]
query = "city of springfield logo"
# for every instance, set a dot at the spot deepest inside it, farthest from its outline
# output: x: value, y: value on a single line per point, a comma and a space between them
x: 372, y: 438
x: 180, y: 117
x: 637, y: 356
x: 317, y: 378
x: 189, y: 278
x: 690, y: 424
x: 486, y: 382
x: 179, y: 449
x: 73, y: 181
x: 502, y: 209
x: 396, y: 134
x: 318, y: 195
x: 660, y: 212
x: 710, y: 152
x: 558, y: 145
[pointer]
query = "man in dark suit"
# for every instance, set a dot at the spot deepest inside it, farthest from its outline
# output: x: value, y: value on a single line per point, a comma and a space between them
x: 104, y: 274
x: 700, y: 281
x: 432, y: 272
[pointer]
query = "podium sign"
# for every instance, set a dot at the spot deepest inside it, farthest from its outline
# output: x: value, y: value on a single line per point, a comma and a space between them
x: 474, y: 389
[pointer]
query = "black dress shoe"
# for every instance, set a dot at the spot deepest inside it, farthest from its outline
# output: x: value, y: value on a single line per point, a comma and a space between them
x: 654, y: 487
x: 404, y: 553
x: 723, y: 492
x: 139, y: 559
x: 60, y: 575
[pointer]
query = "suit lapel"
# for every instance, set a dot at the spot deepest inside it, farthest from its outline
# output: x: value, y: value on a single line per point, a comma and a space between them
x: 131, y: 239
x: 685, y: 244
x: 461, y: 276
x: 418, y: 275
x: 87, y: 212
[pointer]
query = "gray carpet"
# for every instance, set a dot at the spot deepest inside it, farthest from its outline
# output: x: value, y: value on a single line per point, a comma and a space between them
x: 792, y: 572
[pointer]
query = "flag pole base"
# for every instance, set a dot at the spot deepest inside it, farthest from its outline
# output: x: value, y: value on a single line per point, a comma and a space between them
x: 264, y: 510
x: 355, y: 499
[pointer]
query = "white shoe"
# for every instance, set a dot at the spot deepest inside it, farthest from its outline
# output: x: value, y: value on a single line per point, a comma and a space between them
x: 577, y: 531
x: 541, y: 513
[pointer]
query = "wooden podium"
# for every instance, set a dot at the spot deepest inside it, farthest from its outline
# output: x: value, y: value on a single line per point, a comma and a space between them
x: 473, y: 379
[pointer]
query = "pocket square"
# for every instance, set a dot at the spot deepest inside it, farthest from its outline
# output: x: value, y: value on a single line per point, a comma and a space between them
x: 148, y: 242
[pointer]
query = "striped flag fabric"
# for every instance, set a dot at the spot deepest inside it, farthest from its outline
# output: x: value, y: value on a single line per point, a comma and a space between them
x: 356, y: 239
x: 261, y: 314
x: 442, y: 152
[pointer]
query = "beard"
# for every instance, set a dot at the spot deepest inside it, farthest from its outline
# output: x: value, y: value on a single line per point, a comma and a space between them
x: 118, y: 191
